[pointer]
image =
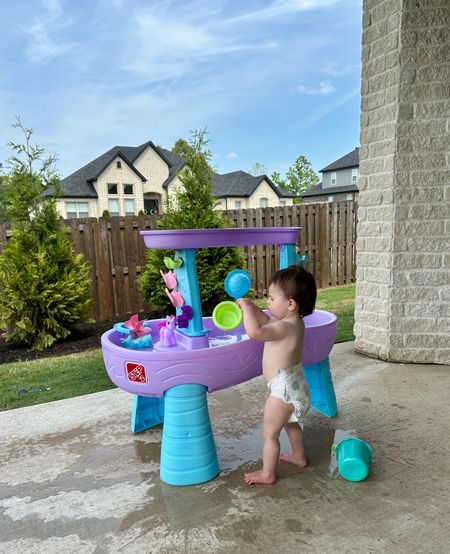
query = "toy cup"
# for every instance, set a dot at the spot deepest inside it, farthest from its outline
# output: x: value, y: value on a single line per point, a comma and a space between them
x: 353, y: 457
x: 237, y: 283
x: 227, y: 315
x: 169, y: 278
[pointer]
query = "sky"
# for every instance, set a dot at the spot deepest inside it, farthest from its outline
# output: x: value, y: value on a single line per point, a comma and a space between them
x: 270, y: 80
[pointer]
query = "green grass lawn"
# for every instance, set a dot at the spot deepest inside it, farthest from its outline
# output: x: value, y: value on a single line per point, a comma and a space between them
x: 84, y: 373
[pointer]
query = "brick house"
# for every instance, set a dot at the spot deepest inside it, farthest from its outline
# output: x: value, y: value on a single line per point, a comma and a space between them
x: 126, y: 180
x: 339, y: 181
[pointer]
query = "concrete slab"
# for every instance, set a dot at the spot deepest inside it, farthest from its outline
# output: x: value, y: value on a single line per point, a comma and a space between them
x: 74, y: 479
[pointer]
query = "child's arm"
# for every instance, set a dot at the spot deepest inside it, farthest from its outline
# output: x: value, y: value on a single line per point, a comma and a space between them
x: 248, y: 307
x: 256, y: 323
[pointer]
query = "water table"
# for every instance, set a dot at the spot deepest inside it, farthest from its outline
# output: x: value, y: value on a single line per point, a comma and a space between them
x: 169, y: 383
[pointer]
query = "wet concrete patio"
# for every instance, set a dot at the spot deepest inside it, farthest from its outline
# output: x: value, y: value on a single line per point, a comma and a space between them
x: 74, y: 479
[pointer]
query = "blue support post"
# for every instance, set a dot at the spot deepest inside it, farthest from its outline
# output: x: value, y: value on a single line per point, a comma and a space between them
x: 188, y: 286
x: 288, y: 256
x: 188, y: 451
x: 147, y: 412
x: 320, y: 383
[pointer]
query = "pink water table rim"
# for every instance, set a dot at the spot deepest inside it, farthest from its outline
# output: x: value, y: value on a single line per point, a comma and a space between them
x: 179, y: 239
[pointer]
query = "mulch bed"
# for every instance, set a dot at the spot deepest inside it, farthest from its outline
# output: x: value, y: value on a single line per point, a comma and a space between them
x: 86, y: 338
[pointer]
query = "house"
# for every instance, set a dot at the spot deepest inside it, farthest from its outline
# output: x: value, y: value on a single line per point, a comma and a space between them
x: 339, y: 181
x: 127, y: 180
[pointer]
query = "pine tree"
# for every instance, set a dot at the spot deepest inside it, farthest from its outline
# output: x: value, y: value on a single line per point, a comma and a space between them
x: 193, y: 208
x: 44, y: 286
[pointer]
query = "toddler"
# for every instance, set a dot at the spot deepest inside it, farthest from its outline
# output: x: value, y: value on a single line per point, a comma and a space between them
x: 292, y: 296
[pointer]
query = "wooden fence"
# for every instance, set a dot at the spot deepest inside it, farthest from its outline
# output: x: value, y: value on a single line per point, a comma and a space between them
x: 117, y: 254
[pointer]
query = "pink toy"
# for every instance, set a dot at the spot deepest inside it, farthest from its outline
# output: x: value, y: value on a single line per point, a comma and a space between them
x: 169, y: 278
x: 167, y: 332
x: 137, y: 327
x: 175, y: 297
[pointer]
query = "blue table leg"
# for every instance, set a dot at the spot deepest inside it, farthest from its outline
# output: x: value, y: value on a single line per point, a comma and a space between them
x: 188, y: 452
x: 320, y: 383
x: 147, y: 412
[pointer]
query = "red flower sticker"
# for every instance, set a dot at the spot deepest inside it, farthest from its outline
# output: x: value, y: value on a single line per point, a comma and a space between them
x: 136, y: 372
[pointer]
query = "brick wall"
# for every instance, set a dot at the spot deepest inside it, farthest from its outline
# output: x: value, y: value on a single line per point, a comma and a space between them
x: 403, y: 276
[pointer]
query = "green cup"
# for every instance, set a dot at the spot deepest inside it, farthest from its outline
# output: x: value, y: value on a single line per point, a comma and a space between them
x: 353, y: 457
x: 227, y: 315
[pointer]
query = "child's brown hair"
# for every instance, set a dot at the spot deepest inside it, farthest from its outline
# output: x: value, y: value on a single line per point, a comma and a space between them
x: 299, y: 284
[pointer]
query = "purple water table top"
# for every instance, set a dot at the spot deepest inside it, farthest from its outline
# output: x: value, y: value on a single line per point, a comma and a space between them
x: 179, y: 239
x: 234, y: 359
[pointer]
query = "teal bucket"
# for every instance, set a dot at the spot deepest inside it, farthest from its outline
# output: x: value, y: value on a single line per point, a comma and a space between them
x: 354, y: 457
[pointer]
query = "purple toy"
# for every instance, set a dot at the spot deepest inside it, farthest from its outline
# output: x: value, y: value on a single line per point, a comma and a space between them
x: 231, y: 357
x: 167, y: 332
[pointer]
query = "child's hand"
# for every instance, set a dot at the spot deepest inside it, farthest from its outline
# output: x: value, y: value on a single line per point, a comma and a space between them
x: 243, y: 302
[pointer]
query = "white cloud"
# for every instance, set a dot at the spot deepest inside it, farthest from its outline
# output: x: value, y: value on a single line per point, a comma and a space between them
x: 325, y: 87
x: 232, y: 156
x: 336, y: 70
x: 42, y: 46
x: 169, y: 45
x: 323, y: 110
x: 280, y: 8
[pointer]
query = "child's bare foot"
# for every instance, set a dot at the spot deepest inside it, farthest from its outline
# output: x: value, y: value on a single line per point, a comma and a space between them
x: 297, y: 461
x: 258, y: 477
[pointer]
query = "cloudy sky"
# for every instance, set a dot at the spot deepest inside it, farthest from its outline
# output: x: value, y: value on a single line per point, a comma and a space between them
x: 269, y: 79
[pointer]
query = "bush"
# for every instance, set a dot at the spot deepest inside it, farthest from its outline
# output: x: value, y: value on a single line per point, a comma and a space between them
x: 193, y: 209
x: 44, y: 286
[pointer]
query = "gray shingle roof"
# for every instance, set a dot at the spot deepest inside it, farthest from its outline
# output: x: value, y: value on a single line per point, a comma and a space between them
x: 242, y: 184
x: 317, y: 190
x: 237, y: 183
x: 349, y: 160
x: 79, y: 184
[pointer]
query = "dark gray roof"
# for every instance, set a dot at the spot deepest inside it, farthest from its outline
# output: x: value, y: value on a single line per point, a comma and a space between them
x: 80, y: 183
x: 317, y: 190
x: 349, y: 160
x: 242, y: 184
x: 236, y: 183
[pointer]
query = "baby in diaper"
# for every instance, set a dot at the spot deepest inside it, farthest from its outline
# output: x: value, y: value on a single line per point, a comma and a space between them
x: 290, y: 386
x: 292, y: 296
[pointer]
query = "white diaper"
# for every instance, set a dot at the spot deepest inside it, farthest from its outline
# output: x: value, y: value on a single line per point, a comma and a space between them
x: 290, y: 386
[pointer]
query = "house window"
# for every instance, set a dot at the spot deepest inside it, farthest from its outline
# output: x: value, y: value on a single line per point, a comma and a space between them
x: 349, y: 196
x: 330, y: 199
x: 333, y: 178
x: 355, y: 175
x: 113, y: 207
x: 237, y: 204
x: 128, y: 189
x: 129, y: 207
x: 119, y: 165
x: 263, y: 202
x: 112, y: 188
x: 77, y: 209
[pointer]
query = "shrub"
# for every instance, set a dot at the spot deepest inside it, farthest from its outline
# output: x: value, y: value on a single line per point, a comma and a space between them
x: 193, y: 209
x: 44, y: 286
x: 106, y: 213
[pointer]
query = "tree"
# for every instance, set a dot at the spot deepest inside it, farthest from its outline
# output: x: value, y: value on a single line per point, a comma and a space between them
x: 44, y: 286
x: 193, y: 208
x: 299, y: 177
x: 258, y: 169
x: 276, y: 178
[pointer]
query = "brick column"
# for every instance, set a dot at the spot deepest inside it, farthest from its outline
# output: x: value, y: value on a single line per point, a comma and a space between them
x: 403, y: 247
